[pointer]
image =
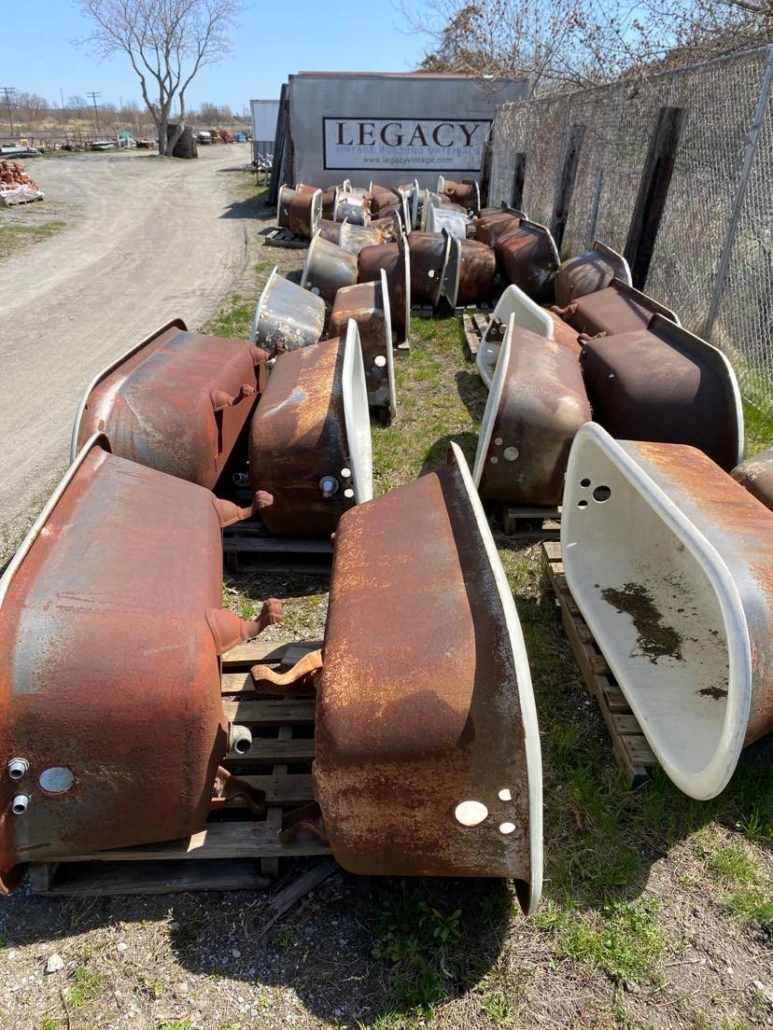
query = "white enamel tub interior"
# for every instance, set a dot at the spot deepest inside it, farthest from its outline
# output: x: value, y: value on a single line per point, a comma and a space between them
x: 528, y: 315
x: 663, y: 608
x: 357, y: 416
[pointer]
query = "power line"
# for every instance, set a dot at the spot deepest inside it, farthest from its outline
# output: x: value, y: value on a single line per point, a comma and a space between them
x: 96, y: 112
x: 10, y: 93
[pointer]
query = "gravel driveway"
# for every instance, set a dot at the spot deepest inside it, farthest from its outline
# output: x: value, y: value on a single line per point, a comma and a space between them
x: 146, y: 240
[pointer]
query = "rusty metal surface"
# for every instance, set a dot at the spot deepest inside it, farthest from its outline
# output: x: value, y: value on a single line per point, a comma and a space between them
x: 329, y: 201
x: 384, y: 201
x: 665, y: 385
x: 536, y: 405
x: 564, y: 333
x: 391, y: 228
x: 405, y: 734
x: 304, y: 212
x: 284, y: 199
x: 465, y: 194
x: 328, y: 267
x: 110, y: 679
x: 727, y: 535
x: 352, y: 207
x: 590, y: 272
x: 329, y: 230
x: 527, y: 256
x: 490, y: 226
x: 179, y: 404
x: 470, y: 273
x: 618, y: 308
x: 395, y: 259
x: 429, y: 257
x: 394, y: 209
x: 368, y: 305
x: 287, y: 316
x: 756, y: 476
x: 299, y: 438
x: 355, y: 237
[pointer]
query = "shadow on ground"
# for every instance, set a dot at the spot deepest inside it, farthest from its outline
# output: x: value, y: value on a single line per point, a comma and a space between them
x: 356, y: 949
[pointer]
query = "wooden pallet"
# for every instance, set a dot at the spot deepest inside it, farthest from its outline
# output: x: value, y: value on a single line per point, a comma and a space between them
x: 474, y: 322
x: 283, y: 238
x: 632, y: 752
x: 531, y: 523
x: 247, y: 545
x: 236, y: 850
x: 7, y: 201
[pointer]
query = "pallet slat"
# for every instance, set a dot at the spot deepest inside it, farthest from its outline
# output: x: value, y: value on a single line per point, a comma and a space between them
x: 110, y: 878
x: 252, y: 651
x: 528, y: 523
x: 270, y: 712
x: 217, y: 841
x: 267, y: 751
x: 238, y: 855
x: 632, y: 752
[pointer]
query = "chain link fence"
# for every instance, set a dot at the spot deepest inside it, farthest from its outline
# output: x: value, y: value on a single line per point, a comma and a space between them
x: 713, y: 256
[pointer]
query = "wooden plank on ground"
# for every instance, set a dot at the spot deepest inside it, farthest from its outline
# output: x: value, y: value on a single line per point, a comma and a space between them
x: 632, y: 752
x: 116, y: 878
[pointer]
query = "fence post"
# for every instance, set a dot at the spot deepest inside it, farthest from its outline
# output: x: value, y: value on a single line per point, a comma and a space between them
x: 752, y: 142
x: 565, y: 184
x: 594, y: 213
x: 653, y: 191
x: 519, y: 180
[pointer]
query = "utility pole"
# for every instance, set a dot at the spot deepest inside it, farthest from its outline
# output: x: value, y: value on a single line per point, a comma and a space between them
x: 10, y: 93
x: 96, y: 112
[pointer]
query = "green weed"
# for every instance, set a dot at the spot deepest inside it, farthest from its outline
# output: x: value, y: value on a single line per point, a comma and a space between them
x: 414, y: 937
x: 49, y: 1023
x: 497, y: 1007
x: 732, y: 862
x: 624, y: 939
x: 87, y: 987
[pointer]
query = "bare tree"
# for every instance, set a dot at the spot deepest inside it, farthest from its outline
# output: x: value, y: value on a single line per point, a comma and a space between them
x: 568, y: 44
x: 167, y: 42
x: 32, y: 107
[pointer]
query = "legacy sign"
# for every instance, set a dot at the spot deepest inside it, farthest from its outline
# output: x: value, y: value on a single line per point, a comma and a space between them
x: 405, y: 144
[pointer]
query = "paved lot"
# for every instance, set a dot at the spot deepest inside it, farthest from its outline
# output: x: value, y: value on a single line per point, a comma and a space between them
x: 146, y: 240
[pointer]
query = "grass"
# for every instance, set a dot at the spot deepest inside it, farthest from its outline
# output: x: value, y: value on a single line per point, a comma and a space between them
x: 600, y: 836
x: 434, y: 943
x: 234, y: 319
x: 14, y: 238
x: 758, y: 428
x: 86, y: 987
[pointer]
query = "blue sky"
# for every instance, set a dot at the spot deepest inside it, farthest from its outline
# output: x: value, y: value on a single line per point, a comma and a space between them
x: 273, y: 41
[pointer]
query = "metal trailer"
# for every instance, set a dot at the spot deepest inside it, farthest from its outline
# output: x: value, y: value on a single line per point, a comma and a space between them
x: 392, y: 127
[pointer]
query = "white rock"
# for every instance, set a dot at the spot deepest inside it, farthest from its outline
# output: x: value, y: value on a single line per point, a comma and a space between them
x: 122, y: 946
x: 236, y: 953
x: 55, y: 963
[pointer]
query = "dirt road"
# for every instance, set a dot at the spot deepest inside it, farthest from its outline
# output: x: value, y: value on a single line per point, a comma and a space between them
x: 146, y: 240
